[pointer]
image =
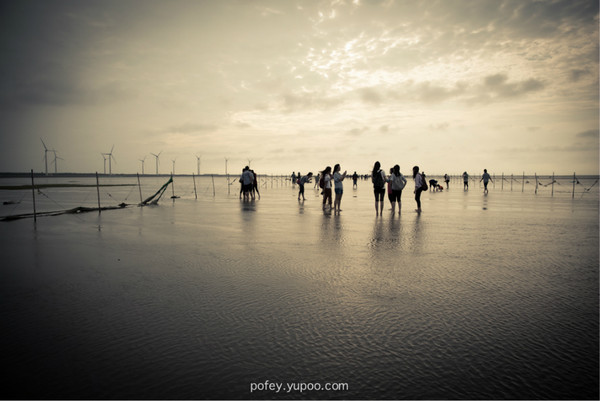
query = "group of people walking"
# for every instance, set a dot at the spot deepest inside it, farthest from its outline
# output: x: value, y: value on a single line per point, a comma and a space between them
x: 331, y: 181
x: 485, y: 177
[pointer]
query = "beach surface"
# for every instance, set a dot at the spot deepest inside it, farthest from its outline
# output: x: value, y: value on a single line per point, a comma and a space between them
x: 481, y: 296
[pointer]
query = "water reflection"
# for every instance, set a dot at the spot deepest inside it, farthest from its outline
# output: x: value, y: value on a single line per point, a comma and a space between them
x: 337, y: 234
x: 416, y: 241
x: 386, y: 234
x: 248, y: 206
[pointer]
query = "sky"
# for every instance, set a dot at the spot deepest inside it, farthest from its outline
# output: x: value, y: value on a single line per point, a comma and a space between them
x: 284, y: 85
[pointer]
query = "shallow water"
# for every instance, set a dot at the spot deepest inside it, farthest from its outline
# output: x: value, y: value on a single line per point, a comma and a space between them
x: 479, y: 297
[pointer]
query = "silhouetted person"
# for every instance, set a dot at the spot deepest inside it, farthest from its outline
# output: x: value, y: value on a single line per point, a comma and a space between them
x: 419, y: 182
x: 326, y: 176
x: 466, y: 181
x: 338, y: 187
x: 485, y: 178
x: 447, y: 181
x: 378, y: 178
x: 354, y: 180
x: 255, y: 184
x: 433, y: 184
x: 303, y: 180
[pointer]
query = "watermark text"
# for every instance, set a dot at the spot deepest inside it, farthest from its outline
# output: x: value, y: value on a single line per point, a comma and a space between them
x: 296, y: 387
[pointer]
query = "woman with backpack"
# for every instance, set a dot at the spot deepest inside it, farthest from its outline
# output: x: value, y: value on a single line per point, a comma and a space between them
x: 378, y: 178
x: 420, y: 186
x: 326, y: 185
x: 398, y: 183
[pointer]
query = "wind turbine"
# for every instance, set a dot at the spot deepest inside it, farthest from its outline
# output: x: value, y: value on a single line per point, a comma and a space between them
x: 198, y: 157
x: 56, y: 158
x: 104, y: 158
x: 110, y: 158
x: 249, y: 161
x: 143, y: 160
x: 226, y: 159
x: 157, y: 162
x: 45, y: 155
x: 173, y: 160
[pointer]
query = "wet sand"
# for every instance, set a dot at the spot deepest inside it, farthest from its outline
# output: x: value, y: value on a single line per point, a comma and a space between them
x: 487, y: 297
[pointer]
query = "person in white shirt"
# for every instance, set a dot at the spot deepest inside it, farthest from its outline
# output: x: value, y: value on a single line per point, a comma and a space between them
x: 398, y: 183
x: 247, y: 179
x: 338, y: 187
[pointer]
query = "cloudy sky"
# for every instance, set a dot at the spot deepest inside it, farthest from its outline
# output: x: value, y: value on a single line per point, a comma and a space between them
x: 450, y: 85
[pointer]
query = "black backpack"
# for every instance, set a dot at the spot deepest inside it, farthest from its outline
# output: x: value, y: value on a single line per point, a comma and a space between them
x: 377, y: 180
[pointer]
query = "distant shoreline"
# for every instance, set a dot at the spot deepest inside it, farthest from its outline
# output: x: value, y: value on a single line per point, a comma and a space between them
x: 87, y: 175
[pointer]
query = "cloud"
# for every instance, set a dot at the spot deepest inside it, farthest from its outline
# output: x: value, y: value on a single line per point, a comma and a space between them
x: 497, y: 85
x: 357, y: 131
x: 439, y: 127
x: 370, y: 95
x: 593, y: 133
x: 576, y: 74
x: 308, y: 100
x: 188, y: 128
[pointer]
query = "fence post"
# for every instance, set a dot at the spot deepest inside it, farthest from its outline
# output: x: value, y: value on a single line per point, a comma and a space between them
x: 553, y: 183
x: 33, y: 194
x: 98, y: 191
x: 511, y: 182
x: 574, y: 180
x: 194, y: 179
x: 502, y: 182
x: 536, y: 182
x: 140, y: 187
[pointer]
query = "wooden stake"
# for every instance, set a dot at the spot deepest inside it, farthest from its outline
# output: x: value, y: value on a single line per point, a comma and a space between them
x: 194, y: 178
x: 98, y: 191
x: 33, y: 194
x: 140, y: 188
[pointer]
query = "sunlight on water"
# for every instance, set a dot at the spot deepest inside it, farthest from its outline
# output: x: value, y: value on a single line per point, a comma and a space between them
x: 478, y: 297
